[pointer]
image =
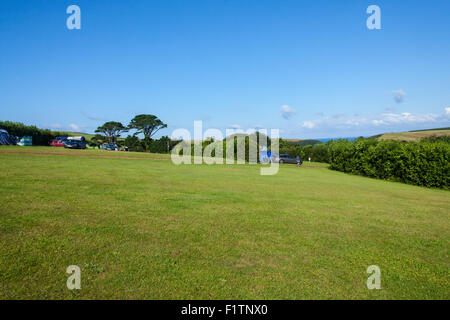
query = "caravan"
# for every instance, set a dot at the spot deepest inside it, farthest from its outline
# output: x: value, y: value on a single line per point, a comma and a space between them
x: 75, y: 143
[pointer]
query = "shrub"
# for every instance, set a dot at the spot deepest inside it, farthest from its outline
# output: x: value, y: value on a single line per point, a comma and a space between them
x: 318, y: 151
x: 424, y: 163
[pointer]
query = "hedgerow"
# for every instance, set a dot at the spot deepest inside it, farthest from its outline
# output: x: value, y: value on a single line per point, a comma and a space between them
x: 424, y: 163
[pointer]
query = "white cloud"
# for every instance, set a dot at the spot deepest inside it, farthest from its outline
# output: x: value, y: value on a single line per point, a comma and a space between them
x: 308, y: 124
x: 399, y: 95
x: 235, y: 126
x: 91, y: 117
x: 379, y: 119
x: 74, y: 127
x: 53, y: 126
x: 287, y: 112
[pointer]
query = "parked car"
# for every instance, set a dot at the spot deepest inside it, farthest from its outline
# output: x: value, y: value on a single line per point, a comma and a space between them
x: 110, y: 147
x: 57, y: 143
x: 75, y: 144
x: 285, y: 158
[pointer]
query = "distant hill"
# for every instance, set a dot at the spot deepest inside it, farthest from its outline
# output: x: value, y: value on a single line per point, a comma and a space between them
x: 306, y: 142
x: 447, y: 128
x: 88, y: 136
x: 414, y: 135
x: 78, y: 134
x: 325, y: 140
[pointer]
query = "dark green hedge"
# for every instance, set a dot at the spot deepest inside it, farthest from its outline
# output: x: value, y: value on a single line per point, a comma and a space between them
x: 318, y: 152
x: 425, y: 163
x: 162, y: 145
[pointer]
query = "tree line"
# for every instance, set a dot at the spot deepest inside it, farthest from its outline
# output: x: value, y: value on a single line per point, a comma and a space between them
x: 423, y: 163
x: 146, y: 124
x: 305, y: 149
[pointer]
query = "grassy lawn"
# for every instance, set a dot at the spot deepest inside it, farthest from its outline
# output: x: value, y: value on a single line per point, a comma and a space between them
x: 140, y: 227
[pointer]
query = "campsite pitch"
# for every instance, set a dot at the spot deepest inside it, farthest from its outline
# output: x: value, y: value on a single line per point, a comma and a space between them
x: 140, y: 227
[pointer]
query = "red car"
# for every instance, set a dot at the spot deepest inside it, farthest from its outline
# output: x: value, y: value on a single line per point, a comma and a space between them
x: 57, y: 143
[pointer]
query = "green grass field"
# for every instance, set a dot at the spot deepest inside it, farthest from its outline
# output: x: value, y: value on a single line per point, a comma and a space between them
x: 140, y: 227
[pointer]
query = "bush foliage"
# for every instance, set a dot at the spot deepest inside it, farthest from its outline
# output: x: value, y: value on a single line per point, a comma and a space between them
x: 425, y: 163
x: 317, y: 151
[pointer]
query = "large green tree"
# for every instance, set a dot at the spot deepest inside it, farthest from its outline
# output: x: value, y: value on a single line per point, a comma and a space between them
x: 112, y: 130
x: 98, y: 139
x: 148, y: 125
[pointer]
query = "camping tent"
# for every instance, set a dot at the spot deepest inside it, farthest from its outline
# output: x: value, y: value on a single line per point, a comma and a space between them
x: 265, y: 156
x: 7, y: 139
x: 25, y: 141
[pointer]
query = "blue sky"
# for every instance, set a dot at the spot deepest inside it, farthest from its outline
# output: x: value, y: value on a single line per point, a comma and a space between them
x: 309, y: 68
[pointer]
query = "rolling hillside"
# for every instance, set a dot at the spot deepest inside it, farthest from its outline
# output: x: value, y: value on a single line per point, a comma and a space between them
x: 414, y: 135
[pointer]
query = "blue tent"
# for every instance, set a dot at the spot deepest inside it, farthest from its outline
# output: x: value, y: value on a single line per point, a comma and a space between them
x: 7, y: 139
x: 265, y: 156
x: 25, y: 141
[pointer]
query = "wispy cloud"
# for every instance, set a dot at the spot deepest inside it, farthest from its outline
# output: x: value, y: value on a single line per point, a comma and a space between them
x: 399, y: 95
x: 91, y: 117
x: 52, y: 126
x: 70, y: 127
x: 205, y: 117
x: 234, y: 126
x: 338, y: 115
x: 75, y: 127
x: 287, y: 112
